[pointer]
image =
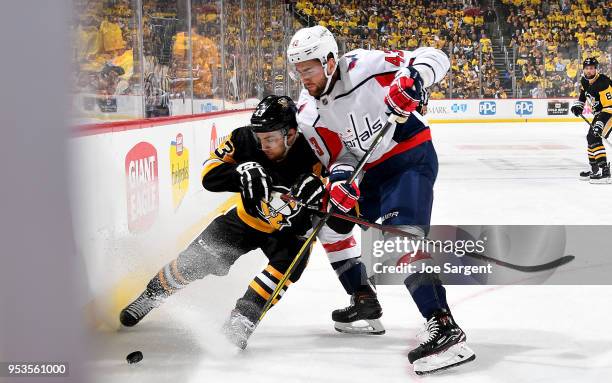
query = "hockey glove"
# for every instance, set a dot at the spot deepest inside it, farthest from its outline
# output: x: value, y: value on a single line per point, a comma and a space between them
x: 342, y: 195
x: 598, y: 129
x: 422, y: 108
x: 309, y: 190
x: 255, y: 187
x: 577, y: 108
x: 405, y: 92
x: 296, y: 218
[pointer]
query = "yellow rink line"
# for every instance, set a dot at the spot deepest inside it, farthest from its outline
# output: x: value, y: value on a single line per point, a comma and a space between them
x: 491, y: 120
x: 102, y: 312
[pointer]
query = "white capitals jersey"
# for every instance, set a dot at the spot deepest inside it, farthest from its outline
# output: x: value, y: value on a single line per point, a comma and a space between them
x: 341, y: 125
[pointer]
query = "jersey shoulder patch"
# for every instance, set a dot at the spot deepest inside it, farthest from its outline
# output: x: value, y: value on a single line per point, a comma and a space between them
x: 360, y: 64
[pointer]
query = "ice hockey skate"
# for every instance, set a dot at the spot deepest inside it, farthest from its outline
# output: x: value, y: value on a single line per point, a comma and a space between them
x: 238, y: 328
x: 138, y: 309
x: 361, y: 317
x: 601, y: 176
x: 585, y: 175
x: 444, y: 348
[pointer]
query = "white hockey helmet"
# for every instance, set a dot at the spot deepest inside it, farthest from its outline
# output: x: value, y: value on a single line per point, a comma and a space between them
x: 314, y: 43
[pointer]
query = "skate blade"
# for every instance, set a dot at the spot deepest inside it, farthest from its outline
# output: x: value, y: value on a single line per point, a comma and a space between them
x: 452, y: 357
x: 603, y: 181
x: 361, y: 327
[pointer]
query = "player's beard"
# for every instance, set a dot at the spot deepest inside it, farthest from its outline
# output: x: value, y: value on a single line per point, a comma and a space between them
x: 317, y: 89
x: 592, y: 76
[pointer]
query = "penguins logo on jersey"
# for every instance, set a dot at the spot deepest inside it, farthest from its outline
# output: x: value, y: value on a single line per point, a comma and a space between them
x: 593, y: 101
x: 277, y: 212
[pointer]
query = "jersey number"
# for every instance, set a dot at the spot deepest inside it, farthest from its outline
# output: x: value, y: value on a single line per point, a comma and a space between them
x: 395, y: 57
x: 605, y: 97
x: 227, y: 148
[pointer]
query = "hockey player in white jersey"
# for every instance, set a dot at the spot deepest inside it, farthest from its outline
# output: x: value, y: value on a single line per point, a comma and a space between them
x: 346, y: 101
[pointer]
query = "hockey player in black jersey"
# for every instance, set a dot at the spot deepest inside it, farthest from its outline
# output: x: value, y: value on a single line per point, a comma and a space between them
x: 596, y: 88
x: 260, y: 161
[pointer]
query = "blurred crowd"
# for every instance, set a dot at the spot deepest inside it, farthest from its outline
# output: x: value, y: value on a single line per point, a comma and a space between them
x: 546, y: 41
x: 457, y: 27
x: 235, y: 50
x: 552, y: 39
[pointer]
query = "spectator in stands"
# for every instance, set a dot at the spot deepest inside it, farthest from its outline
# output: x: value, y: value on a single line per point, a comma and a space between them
x: 157, y: 89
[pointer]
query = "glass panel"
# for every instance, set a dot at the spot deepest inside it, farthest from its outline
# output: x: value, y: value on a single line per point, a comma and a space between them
x: 279, y: 66
x: 267, y: 46
x: 230, y: 51
x: 107, y: 80
x: 186, y: 66
x: 207, y: 48
x: 167, y: 58
x: 252, y: 59
x: 293, y: 24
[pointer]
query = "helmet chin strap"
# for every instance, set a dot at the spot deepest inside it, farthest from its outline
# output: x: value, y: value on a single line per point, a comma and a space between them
x: 329, y: 77
x: 286, y: 143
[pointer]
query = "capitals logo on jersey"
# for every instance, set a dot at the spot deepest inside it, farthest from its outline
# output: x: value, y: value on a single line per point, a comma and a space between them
x: 353, y: 61
x: 357, y: 136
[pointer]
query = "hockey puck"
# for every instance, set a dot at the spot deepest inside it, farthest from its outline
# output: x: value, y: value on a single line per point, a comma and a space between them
x: 134, y: 357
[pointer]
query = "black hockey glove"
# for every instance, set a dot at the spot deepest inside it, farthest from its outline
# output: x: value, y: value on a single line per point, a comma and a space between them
x: 577, y: 108
x: 255, y: 186
x: 309, y: 190
x: 296, y: 218
x: 598, y: 129
x: 422, y: 108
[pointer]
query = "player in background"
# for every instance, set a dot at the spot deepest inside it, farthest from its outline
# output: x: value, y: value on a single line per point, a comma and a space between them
x: 346, y: 101
x: 596, y: 88
x: 260, y: 161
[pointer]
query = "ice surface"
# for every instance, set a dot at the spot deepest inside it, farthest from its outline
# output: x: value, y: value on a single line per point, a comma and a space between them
x: 489, y: 174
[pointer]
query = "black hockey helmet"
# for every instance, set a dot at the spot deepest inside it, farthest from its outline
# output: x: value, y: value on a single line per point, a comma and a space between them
x: 590, y: 61
x: 274, y: 113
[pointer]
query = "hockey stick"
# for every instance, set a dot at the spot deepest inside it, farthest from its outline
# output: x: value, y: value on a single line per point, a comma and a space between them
x: 391, y: 229
x: 304, y: 249
x: 591, y: 126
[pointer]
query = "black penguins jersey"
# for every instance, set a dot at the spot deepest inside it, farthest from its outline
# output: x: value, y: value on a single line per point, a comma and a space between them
x: 220, y: 175
x: 598, y: 91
